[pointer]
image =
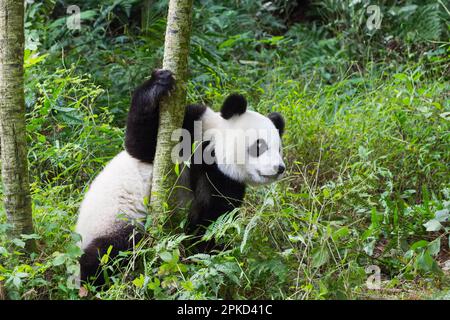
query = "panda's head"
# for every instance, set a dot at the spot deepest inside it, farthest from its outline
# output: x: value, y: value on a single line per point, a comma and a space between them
x: 246, y: 144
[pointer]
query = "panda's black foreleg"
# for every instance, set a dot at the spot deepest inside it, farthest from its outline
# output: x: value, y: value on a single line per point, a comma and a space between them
x: 201, y: 216
x: 214, y: 195
x: 143, y: 117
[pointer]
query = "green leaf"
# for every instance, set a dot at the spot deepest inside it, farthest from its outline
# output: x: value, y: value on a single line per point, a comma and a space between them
x: 30, y: 236
x: 139, y: 282
x: 434, y: 247
x: 442, y: 215
x: 297, y: 238
x: 341, y: 232
x: 424, y: 261
x: 146, y: 201
x: 177, y: 169
x: 187, y: 285
x: 370, y: 246
x: 105, y: 258
x: 166, y: 256
x: 19, y: 243
x: 17, y: 282
x: 21, y: 274
x: 433, y: 225
x: 401, y: 76
x: 74, y: 251
x: 152, y: 285
x: 59, y: 260
x: 3, y: 251
x: 176, y: 254
x: 320, y: 256
x: 419, y: 244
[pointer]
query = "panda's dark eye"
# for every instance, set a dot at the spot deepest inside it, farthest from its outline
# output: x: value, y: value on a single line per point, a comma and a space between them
x: 258, y: 148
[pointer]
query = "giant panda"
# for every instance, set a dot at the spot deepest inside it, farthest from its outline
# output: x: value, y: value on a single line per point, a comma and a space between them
x: 113, y: 209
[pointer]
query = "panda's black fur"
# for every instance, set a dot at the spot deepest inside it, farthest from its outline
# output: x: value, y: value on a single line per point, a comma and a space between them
x: 214, y: 193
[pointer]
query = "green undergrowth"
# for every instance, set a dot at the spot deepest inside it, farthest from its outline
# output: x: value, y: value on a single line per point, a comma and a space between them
x: 363, y: 209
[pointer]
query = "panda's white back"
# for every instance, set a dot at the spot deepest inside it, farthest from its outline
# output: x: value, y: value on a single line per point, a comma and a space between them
x: 116, y: 194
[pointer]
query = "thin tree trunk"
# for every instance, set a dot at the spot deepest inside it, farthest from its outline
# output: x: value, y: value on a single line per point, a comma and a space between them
x: 176, y: 51
x: 16, y: 189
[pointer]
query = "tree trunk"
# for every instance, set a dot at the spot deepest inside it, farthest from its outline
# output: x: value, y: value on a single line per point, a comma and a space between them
x: 16, y: 189
x: 176, y: 51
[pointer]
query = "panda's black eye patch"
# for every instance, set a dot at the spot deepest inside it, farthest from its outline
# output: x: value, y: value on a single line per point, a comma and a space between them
x: 258, y: 148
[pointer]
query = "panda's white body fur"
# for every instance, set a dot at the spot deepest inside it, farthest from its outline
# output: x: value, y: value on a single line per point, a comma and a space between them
x: 117, y: 194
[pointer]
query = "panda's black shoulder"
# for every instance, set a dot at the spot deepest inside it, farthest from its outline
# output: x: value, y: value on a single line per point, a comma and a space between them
x: 194, y: 112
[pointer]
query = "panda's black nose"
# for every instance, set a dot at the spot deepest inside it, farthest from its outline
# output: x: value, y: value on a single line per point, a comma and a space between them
x: 281, y: 169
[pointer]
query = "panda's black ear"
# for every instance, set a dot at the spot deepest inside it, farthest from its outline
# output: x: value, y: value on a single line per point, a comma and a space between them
x: 278, y: 121
x: 234, y: 104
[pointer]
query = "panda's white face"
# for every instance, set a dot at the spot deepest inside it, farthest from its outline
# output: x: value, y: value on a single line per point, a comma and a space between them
x: 247, y: 148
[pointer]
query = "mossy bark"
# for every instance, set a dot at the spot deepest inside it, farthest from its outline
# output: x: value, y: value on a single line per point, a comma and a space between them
x: 16, y: 188
x: 172, y: 108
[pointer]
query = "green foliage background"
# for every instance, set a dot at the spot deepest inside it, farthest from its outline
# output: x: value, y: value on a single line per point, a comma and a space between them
x: 367, y: 147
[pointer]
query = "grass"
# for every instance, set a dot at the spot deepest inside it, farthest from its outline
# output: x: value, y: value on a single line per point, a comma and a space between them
x: 364, y: 174
x: 367, y: 187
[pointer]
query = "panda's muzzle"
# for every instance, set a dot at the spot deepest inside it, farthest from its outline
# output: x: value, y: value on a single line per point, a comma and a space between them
x: 279, y: 172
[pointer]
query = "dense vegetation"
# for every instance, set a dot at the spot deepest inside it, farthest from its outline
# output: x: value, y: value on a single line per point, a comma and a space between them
x: 367, y: 147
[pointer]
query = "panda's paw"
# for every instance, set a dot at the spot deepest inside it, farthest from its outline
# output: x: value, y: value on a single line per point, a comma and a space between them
x: 163, y: 78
